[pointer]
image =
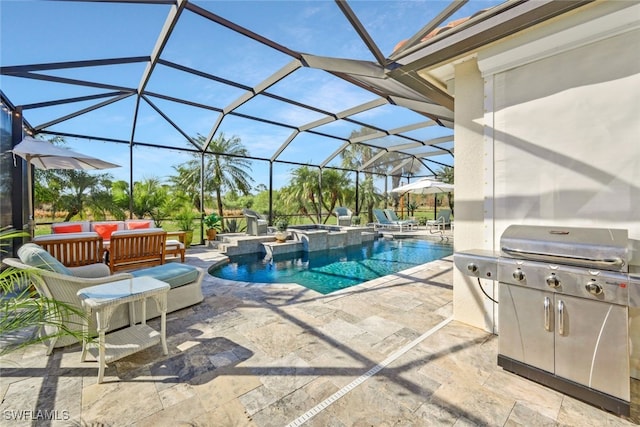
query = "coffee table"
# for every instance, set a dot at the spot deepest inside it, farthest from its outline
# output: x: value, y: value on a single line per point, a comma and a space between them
x: 104, y: 299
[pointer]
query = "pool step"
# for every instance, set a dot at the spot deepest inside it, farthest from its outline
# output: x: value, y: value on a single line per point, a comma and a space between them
x: 276, y: 248
x: 240, y: 244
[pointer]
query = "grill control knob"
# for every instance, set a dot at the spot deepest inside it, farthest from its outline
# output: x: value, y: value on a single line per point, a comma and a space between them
x: 553, y: 281
x: 519, y: 275
x: 593, y: 288
x: 472, y: 267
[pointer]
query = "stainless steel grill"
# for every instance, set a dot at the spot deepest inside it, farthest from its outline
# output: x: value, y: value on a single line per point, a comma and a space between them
x: 598, y: 248
x: 564, y: 309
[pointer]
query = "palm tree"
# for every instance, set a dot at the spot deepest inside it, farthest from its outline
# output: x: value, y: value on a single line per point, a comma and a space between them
x: 354, y: 157
x: 150, y: 197
x: 446, y: 175
x: 226, y: 168
x: 301, y: 195
x: 78, y: 191
x: 74, y: 191
x: 334, y: 189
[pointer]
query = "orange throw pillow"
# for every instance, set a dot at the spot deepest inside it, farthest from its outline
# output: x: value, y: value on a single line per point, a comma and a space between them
x: 105, y: 230
x: 71, y: 228
x: 137, y: 225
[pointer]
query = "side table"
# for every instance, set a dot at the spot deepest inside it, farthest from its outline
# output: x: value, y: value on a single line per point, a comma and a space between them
x: 103, y: 300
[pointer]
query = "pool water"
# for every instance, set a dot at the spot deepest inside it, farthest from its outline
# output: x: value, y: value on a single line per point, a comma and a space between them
x: 330, y: 270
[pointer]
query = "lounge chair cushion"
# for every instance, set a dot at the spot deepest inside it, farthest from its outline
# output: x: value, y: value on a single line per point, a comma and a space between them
x: 34, y: 256
x: 173, y: 273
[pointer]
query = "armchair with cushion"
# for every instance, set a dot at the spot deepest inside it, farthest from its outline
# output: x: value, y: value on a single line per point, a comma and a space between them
x: 130, y: 249
x: 343, y: 215
x: 256, y: 224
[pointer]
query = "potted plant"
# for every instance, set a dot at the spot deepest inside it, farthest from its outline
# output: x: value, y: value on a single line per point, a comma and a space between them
x: 213, y: 222
x: 281, y: 229
x: 185, y: 218
x: 355, y: 220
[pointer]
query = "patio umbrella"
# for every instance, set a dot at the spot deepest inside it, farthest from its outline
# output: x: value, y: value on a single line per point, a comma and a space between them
x: 424, y: 186
x: 45, y: 155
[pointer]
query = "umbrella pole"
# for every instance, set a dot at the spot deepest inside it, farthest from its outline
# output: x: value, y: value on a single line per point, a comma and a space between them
x: 435, y: 206
x: 32, y: 227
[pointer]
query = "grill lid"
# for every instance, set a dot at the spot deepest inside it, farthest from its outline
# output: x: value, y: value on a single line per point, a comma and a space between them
x: 598, y: 248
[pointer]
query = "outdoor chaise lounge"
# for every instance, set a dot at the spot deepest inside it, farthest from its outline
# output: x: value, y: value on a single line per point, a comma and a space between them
x: 391, y: 214
x: 54, y: 280
x: 256, y: 224
x: 444, y: 219
x: 343, y: 215
x: 383, y: 222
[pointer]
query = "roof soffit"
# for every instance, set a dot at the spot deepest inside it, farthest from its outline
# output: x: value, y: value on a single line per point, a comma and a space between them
x: 462, y: 42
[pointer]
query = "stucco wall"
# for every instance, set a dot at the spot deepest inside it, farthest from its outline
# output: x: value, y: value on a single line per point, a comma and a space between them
x: 470, y: 163
x: 560, y: 139
x: 567, y: 139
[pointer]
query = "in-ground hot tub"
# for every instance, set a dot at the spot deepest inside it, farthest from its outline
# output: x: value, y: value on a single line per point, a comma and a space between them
x: 317, y: 237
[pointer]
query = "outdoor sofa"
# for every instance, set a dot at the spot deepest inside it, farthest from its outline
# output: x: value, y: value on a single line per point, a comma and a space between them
x: 53, y: 280
x: 130, y: 249
x: 105, y: 229
x: 73, y: 249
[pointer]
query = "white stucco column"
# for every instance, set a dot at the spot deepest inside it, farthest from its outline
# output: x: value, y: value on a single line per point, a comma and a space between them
x: 474, y: 185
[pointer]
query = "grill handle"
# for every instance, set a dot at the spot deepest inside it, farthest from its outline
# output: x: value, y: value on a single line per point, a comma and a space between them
x: 548, y: 257
x: 547, y: 314
x: 561, y: 317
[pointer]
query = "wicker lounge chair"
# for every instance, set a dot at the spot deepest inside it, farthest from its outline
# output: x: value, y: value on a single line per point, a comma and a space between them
x: 54, y: 280
x: 256, y: 224
x: 343, y: 215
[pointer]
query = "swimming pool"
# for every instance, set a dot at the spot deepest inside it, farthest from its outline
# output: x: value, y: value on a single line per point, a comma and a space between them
x: 330, y: 270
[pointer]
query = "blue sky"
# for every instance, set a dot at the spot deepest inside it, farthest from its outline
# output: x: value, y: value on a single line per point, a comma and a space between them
x: 47, y: 31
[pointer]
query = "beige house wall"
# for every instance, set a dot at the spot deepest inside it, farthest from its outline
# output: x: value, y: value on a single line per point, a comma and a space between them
x: 547, y: 132
x: 470, y: 163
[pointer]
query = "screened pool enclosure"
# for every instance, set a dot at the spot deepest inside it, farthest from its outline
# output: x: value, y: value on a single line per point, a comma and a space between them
x: 148, y: 85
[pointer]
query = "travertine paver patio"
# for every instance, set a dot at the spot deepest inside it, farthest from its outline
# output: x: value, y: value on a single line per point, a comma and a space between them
x: 256, y: 355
